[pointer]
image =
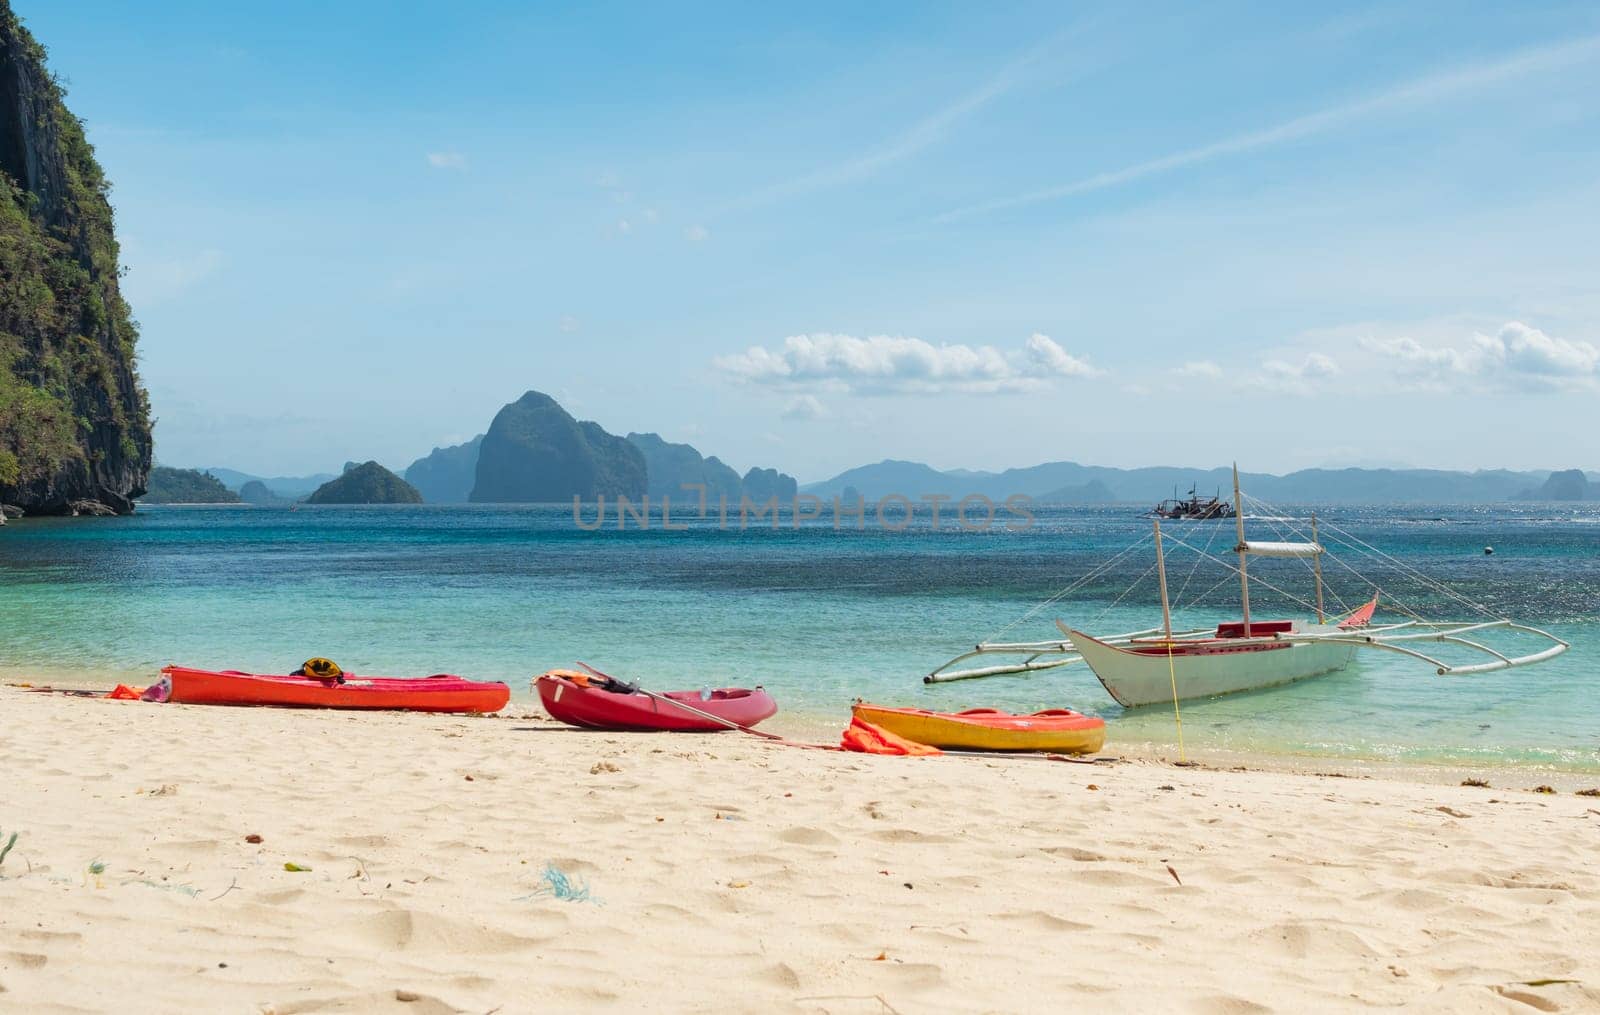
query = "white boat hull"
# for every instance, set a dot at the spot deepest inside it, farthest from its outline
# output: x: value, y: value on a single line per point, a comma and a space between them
x: 1137, y: 678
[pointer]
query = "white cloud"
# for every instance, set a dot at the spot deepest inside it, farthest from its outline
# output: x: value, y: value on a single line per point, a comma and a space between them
x: 624, y: 226
x: 892, y: 364
x: 1314, y: 367
x: 696, y: 233
x: 447, y: 160
x: 804, y: 407
x: 1517, y: 356
x: 1051, y: 358
x: 568, y: 323
x: 1199, y: 368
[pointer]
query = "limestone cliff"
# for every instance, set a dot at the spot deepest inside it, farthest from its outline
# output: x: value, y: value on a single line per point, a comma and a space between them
x: 536, y: 452
x: 74, y: 419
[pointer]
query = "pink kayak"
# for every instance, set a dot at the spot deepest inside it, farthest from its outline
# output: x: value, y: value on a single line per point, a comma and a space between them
x: 579, y: 699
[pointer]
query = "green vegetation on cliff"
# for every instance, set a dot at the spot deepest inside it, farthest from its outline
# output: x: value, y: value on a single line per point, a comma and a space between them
x: 74, y: 420
x: 369, y: 483
x: 186, y: 486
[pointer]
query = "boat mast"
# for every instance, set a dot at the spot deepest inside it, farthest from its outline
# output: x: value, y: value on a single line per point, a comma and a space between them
x: 1316, y: 560
x: 1243, y: 550
x: 1161, y: 574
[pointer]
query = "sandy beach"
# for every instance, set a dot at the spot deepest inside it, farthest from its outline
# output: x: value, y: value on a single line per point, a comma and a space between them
x: 718, y: 874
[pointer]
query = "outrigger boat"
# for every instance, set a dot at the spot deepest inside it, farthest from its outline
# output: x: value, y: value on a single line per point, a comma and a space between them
x: 1192, y: 508
x: 1160, y: 665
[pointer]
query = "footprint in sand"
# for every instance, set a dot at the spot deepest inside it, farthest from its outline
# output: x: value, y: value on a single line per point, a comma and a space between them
x: 804, y: 835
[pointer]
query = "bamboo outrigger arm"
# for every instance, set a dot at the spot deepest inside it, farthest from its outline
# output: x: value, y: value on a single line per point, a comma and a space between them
x: 1445, y: 633
x: 1035, y: 653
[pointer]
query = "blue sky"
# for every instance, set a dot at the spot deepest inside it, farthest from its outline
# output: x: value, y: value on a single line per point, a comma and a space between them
x: 816, y: 236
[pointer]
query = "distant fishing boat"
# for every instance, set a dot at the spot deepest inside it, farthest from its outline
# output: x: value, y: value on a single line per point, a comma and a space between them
x: 1160, y: 665
x: 1192, y: 508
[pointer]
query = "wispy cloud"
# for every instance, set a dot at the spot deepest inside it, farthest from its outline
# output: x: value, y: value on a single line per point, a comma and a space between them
x: 696, y: 234
x: 447, y: 160
x: 804, y: 407
x: 155, y: 280
x: 1422, y: 91
x: 893, y: 364
x: 920, y: 136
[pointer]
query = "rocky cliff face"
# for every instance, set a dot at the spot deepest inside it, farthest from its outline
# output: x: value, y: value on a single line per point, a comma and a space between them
x: 1569, y: 484
x: 446, y: 475
x: 763, y: 484
x: 536, y: 453
x: 669, y: 466
x: 74, y: 420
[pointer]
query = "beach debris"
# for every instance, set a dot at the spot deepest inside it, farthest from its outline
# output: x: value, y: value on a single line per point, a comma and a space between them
x: 1477, y: 783
x: 253, y: 839
x: 738, y: 884
x: 165, y: 789
x: 604, y: 766
x: 1174, y: 874
x: 468, y: 778
x: 1091, y: 786
x: 1589, y: 792
x: 7, y: 847
x: 908, y: 884
x: 95, y: 869
x: 295, y: 868
x: 1168, y: 788
x: 1544, y: 789
x: 556, y: 883
x: 1452, y: 812
x: 881, y: 957
x: 234, y: 883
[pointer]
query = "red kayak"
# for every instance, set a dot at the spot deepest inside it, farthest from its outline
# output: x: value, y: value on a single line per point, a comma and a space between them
x: 579, y: 699
x: 439, y: 693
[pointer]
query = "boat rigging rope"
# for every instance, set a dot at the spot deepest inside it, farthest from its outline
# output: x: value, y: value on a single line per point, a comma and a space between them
x: 1216, y: 526
x: 1075, y: 586
x: 1392, y: 601
x: 1366, y: 549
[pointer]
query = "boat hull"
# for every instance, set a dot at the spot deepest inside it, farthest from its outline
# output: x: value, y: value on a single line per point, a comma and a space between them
x: 594, y: 708
x: 443, y: 693
x: 1136, y: 677
x: 1057, y: 730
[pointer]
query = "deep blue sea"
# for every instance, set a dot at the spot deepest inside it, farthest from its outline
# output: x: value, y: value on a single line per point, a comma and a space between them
x: 818, y: 614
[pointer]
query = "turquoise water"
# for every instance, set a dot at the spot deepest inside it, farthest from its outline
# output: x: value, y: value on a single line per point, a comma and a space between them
x: 818, y: 615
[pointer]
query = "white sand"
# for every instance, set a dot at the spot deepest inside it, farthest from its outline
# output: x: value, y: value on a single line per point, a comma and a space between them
x: 733, y: 875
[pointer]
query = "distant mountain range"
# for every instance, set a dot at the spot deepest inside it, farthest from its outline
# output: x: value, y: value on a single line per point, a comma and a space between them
x: 1071, y: 483
x: 286, y: 487
x: 536, y: 451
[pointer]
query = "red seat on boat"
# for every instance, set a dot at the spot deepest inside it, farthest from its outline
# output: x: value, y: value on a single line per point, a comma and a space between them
x: 1235, y: 628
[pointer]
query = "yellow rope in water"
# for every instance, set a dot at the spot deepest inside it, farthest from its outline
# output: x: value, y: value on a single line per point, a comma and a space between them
x: 1177, y: 713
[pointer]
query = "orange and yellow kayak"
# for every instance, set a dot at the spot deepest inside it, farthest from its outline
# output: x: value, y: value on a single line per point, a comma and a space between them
x: 987, y: 729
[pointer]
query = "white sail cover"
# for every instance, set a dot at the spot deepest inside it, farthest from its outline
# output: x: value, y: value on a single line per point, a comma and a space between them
x: 1282, y: 549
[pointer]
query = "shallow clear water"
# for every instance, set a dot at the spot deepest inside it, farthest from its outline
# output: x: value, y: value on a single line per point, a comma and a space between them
x: 819, y: 614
